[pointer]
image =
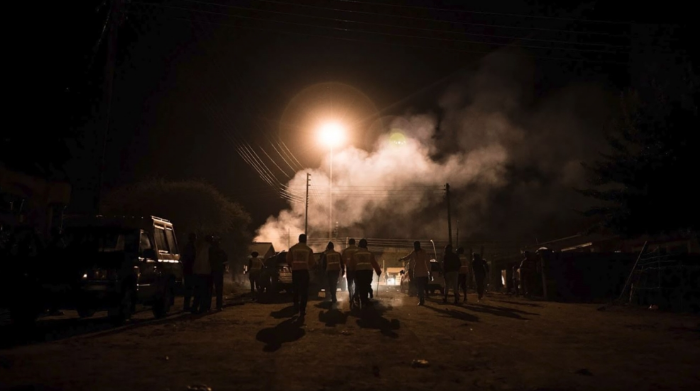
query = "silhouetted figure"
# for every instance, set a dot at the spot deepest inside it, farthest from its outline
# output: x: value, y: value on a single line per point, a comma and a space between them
x: 527, y: 274
x: 217, y: 261
x: 364, y: 263
x: 255, y: 266
x: 188, y: 256
x: 350, y: 272
x: 420, y: 266
x: 202, y: 277
x: 300, y: 258
x: 516, y: 278
x: 463, y: 274
x: 480, y: 269
x: 333, y: 264
x: 450, y: 266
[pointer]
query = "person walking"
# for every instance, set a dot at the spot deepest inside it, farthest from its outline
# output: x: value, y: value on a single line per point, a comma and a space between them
x: 300, y: 258
x: 463, y: 274
x: 217, y: 261
x: 350, y: 272
x: 255, y: 266
x: 480, y: 269
x: 333, y: 265
x: 450, y: 266
x: 202, y: 276
x: 420, y: 267
x: 189, y: 253
x: 363, y: 262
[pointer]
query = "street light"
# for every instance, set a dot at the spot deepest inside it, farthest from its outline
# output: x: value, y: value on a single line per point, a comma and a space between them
x: 331, y: 134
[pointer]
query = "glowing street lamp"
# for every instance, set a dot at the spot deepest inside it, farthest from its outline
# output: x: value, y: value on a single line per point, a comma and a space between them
x: 331, y: 134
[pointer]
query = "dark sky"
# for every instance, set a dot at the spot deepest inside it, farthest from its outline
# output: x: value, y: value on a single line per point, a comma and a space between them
x: 194, y: 77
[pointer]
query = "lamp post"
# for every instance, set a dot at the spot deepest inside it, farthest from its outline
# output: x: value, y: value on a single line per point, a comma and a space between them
x: 331, y: 134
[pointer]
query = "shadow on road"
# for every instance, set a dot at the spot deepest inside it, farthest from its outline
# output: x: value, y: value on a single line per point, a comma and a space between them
x: 286, y: 312
x: 461, y: 315
x: 332, y: 317
x: 288, y: 331
x: 499, y: 311
x: 372, y: 318
x: 518, y: 303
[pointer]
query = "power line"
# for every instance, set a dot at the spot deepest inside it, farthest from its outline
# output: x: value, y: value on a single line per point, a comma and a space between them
x: 442, y: 31
x: 461, y: 50
x: 435, y: 20
x: 485, y: 12
x: 377, y: 32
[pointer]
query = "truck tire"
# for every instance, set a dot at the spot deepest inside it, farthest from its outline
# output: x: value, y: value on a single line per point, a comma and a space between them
x: 162, y: 303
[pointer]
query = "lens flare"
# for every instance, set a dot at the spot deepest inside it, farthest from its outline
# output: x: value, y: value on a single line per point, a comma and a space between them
x: 332, y: 134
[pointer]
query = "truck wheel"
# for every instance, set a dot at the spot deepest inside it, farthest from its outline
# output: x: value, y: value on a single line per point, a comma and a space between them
x: 122, y: 311
x: 161, y: 306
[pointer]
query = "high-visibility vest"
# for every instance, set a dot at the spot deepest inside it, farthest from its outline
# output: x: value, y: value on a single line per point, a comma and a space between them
x: 464, y: 269
x: 256, y: 264
x: 362, y: 260
x: 300, y: 254
x: 332, y: 260
x: 347, y: 256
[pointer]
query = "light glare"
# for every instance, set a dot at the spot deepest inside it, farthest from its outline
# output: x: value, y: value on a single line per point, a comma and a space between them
x: 332, y: 134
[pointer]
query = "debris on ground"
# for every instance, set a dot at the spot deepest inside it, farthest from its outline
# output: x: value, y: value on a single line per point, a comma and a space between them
x: 420, y: 364
x: 584, y: 372
x: 198, y: 387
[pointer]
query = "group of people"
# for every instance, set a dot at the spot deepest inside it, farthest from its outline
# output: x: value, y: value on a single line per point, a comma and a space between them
x: 357, y: 263
x: 455, y: 268
x: 203, y: 266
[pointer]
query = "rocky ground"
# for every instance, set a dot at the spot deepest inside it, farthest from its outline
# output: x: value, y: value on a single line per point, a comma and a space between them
x: 502, y: 343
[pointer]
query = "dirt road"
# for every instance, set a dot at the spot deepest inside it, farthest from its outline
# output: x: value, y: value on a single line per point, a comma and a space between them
x: 502, y: 343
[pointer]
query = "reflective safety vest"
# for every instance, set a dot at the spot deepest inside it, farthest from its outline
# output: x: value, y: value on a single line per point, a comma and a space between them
x: 301, y: 256
x: 256, y: 264
x: 464, y: 269
x: 347, y: 256
x: 362, y: 260
x: 332, y: 261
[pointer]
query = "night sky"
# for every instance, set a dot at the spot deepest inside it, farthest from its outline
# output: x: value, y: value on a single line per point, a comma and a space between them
x: 193, y: 78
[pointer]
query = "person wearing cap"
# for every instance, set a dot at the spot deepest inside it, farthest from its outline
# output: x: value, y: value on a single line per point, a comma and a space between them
x: 363, y: 262
x: 255, y: 266
x: 333, y: 264
x: 350, y: 271
x: 480, y: 269
x: 451, y: 265
x: 300, y: 258
x: 420, y: 266
x: 463, y: 273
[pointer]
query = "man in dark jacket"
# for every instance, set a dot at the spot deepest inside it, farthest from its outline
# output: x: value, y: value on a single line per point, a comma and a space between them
x: 450, y: 266
x: 189, y: 253
x: 480, y: 269
x: 217, y: 260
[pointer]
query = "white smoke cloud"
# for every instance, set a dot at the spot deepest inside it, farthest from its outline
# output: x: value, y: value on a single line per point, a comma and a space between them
x: 507, y: 160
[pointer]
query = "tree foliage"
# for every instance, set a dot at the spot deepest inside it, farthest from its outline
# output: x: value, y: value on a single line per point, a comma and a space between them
x: 648, y: 183
x: 192, y: 206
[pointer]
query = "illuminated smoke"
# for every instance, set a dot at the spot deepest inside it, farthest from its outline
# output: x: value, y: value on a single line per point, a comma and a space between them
x: 511, y: 159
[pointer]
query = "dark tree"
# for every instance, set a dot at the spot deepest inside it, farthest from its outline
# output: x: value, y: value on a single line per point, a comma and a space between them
x: 649, y: 183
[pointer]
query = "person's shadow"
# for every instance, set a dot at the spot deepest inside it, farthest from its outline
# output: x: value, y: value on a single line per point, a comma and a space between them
x: 286, y: 312
x: 332, y: 317
x: 371, y: 318
x: 288, y: 331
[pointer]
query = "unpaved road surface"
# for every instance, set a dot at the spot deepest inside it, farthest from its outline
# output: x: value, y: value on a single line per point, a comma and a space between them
x: 502, y: 343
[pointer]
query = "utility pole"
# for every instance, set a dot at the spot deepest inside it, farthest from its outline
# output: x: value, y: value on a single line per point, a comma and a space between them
x: 306, y: 214
x: 115, y: 20
x: 449, y: 214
